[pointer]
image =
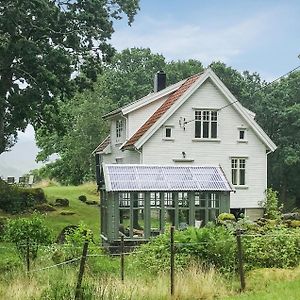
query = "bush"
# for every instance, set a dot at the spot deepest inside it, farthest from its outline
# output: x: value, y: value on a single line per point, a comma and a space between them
x: 271, y: 205
x: 16, y: 200
x: 3, y: 222
x: 82, y: 198
x: 31, y: 232
x: 62, y: 202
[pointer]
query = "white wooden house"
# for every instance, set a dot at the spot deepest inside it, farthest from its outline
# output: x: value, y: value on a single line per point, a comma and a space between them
x: 195, y: 122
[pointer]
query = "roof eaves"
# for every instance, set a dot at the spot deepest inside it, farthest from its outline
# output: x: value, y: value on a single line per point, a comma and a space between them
x: 102, y: 146
x: 112, y: 114
x: 151, y: 97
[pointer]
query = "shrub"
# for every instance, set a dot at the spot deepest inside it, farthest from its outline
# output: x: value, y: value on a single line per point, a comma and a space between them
x: 16, y: 200
x: 271, y: 205
x: 63, y: 202
x: 3, y: 222
x: 82, y: 198
x: 28, y: 232
x: 226, y: 217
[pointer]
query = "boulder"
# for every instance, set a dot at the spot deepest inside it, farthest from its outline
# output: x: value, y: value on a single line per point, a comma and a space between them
x: 91, y: 202
x: 63, y: 202
x: 67, y: 213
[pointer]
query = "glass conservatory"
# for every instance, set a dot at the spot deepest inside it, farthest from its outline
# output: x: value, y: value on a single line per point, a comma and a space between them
x: 141, y: 201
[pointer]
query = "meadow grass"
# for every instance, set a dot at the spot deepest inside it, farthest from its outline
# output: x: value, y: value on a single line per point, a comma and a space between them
x: 88, y: 214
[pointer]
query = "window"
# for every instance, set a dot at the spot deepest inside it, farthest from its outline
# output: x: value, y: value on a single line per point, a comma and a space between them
x: 168, y: 132
x: 119, y: 130
x: 238, y: 171
x: 242, y: 134
x: 206, y: 124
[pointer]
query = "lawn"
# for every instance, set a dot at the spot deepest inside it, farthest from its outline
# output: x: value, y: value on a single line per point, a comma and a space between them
x: 88, y: 214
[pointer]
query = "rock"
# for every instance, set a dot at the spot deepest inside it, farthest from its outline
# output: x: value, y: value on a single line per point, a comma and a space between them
x: 44, y: 207
x: 63, y: 202
x: 82, y: 198
x: 291, y: 216
x: 67, y: 213
x: 91, y: 202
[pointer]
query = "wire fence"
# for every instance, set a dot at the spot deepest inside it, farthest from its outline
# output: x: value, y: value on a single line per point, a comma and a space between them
x: 121, y: 251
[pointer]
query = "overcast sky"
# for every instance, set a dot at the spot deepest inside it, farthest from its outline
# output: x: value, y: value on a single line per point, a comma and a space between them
x: 254, y: 35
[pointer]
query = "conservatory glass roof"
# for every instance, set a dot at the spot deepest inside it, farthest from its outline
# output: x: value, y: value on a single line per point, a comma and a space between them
x: 129, y: 177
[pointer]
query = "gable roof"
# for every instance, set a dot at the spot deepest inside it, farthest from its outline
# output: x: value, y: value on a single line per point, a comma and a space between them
x: 176, y: 99
x: 130, y: 177
x: 161, y: 110
x: 151, y: 97
x: 101, y: 147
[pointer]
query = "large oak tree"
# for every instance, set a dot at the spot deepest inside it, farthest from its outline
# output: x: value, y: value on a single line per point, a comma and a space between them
x: 48, y: 50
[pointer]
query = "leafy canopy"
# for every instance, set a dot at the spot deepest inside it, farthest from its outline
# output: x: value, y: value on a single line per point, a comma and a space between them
x: 48, y: 50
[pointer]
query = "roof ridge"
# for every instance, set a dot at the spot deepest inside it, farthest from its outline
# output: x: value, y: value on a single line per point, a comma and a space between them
x: 162, y: 109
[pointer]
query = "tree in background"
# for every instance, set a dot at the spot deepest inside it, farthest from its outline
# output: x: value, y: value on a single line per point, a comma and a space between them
x: 48, y: 50
x: 127, y: 78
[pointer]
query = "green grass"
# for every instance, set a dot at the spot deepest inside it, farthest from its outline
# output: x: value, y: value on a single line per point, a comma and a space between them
x: 287, y: 290
x: 88, y: 214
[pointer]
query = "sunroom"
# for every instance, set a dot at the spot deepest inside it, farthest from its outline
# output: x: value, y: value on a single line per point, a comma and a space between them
x: 142, y: 201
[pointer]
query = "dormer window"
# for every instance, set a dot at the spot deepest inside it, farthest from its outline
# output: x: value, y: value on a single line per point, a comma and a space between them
x: 206, y: 124
x: 119, y: 130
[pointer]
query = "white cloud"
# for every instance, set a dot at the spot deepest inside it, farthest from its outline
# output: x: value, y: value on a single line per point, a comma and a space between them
x: 194, y: 40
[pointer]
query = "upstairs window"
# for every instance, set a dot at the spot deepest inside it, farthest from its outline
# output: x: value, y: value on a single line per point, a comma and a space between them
x: 206, y: 124
x: 238, y: 171
x: 119, y: 130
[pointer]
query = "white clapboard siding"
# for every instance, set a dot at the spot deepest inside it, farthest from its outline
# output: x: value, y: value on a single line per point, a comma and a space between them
x: 159, y: 151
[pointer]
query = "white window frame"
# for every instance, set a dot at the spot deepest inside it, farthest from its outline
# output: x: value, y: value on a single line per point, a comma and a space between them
x: 119, y: 130
x: 238, y: 171
x: 244, y: 140
x: 165, y: 137
x: 209, y: 116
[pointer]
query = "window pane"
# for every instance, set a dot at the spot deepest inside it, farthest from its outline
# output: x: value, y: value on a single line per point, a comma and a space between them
x: 242, y: 134
x: 138, y: 223
x: 155, y: 221
x: 183, y: 218
x: 242, y: 177
x: 234, y: 176
x: 124, y: 226
x: 197, y: 129
x: 199, y: 217
x: 168, y: 132
x: 169, y: 218
x: 205, y: 129
x: 213, y: 130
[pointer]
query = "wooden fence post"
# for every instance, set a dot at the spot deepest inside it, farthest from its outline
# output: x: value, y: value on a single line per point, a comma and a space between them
x: 172, y: 260
x: 122, y: 258
x: 81, y: 270
x: 241, y: 259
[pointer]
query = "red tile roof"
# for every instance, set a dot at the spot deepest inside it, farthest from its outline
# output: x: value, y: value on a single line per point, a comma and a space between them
x: 103, y: 145
x: 161, y: 110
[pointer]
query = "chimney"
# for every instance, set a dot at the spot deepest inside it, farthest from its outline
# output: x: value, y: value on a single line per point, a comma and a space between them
x: 159, y: 81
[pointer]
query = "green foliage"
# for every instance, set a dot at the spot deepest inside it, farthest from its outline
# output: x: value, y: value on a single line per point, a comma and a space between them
x: 274, y: 246
x: 28, y: 232
x: 278, y: 248
x: 16, y: 200
x: 226, y: 217
x: 209, y: 246
x: 43, y: 43
x: 127, y: 78
x: 271, y: 205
